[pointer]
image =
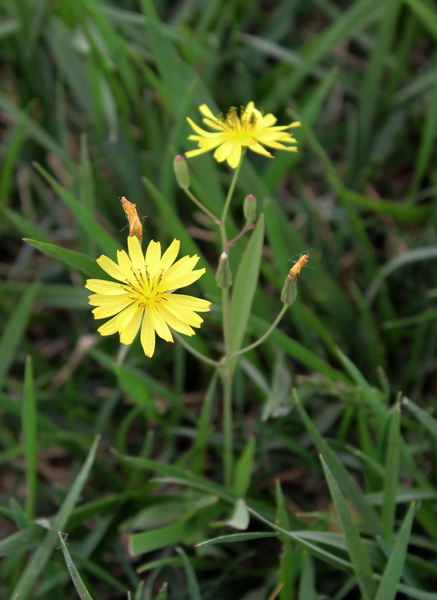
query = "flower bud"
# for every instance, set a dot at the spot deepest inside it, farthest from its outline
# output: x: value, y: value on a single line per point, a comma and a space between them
x: 289, y: 292
x: 181, y: 172
x: 223, y: 276
x: 249, y: 209
x: 135, y: 225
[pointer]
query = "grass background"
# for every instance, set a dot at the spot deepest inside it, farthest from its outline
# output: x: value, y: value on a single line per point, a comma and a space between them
x: 93, y: 104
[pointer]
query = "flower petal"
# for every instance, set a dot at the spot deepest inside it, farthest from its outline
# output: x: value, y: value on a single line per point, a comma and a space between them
x: 269, y: 120
x: 108, y: 310
x: 190, y: 302
x: 170, y: 255
x: 258, y: 148
x: 173, y: 321
x: 148, y: 334
x: 100, y: 286
x: 206, y: 112
x: 199, y: 130
x: 136, y: 253
x: 224, y: 150
x: 187, y: 316
x: 111, y: 268
x: 125, y: 317
x: 235, y: 156
x: 128, y: 333
x: 153, y: 258
x: 109, y: 327
x: 160, y: 325
x: 184, y: 279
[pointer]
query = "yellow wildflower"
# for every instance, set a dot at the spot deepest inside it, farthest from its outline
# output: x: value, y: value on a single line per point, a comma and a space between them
x: 144, y: 297
x: 232, y: 134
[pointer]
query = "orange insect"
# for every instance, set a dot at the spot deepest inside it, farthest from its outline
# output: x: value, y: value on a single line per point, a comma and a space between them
x: 295, y: 271
x: 135, y: 225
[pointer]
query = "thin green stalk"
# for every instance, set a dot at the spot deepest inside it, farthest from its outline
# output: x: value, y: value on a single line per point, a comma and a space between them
x: 200, y: 205
x: 195, y: 352
x: 227, y: 204
x: 266, y: 335
x: 227, y: 428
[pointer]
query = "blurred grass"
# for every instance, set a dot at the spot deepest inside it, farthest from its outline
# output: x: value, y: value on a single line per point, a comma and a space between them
x: 96, y: 96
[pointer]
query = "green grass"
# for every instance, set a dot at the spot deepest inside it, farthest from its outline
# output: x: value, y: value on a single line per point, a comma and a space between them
x: 333, y: 432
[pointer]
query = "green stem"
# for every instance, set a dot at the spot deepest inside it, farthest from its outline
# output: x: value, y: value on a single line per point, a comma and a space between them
x: 201, y: 206
x: 227, y: 428
x: 261, y: 339
x: 196, y: 353
x: 227, y: 204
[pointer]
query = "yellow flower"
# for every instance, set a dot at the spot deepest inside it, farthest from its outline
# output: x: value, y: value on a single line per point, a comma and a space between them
x: 144, y: 297
x: 232, y: 134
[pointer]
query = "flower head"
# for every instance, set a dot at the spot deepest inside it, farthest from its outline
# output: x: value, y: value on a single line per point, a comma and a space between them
x: 144, y: 297
x: 251, y: 129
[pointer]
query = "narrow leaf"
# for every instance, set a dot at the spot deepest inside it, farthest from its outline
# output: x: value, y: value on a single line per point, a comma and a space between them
x: 70, y: 258
x: 28, y: 418
x: 76, y: 578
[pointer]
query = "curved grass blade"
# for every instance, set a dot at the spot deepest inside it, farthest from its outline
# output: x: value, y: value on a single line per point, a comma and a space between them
x: 356, y: 549
x: 75, y: 577
x: 193, y: 586
x: 28, y: 419
x: 36, y: 564
x: 69, y: 257
x: 391, y: 476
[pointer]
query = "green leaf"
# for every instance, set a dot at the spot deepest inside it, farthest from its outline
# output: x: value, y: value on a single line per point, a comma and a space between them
x: 21, y: 541
x: 237, y: 537
x: 85, y: 220
x: 70, y: 258
x: 243, y: 469
x: 245, y: 285
x: 193, y: 586
x: 36, y: 564
x: 393, y: 571
x: 134, y: 387
x: 346, y: 482
x: 357, y: 551
x: 426, y: 13
x: 422, y: 416
x: 240, y: 516
x: 391, y: 482
x: 28, y: 418
x: 307, y: 587
x: 14, y: 330
x: 25, y: 227
x: 74, y: 574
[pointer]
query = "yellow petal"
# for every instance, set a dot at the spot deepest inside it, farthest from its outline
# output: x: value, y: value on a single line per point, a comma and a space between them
x: 170, y: 255
x: 128, y: 333
x: 190, y: 302
x: 153, y: 258
x: 109, y: 327
x: 182, y: 266
x: 192, y: 153
x: 223, y: 151
x: 201, y: 131
x: 258, y: 148
x: 148, y: 334
x: 173, y: 321
x: 160, y: 325
x: 206, y: 112
x: 235, y: 156
x: 104, y: 287
x: 136, y: 253
x: 105, y: 299
x: 111, y: 268
x: 125, y: 317
x: 184, y: 279
x: 109, y: 310
x: 185, y: 315
x: 269, y: 120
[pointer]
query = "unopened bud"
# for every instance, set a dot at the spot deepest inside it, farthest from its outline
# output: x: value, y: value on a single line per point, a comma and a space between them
x: 223, y: 276
x: 249, y: 209
x: 135, y: 225
x: 181, y: 172
x: 289, y: 292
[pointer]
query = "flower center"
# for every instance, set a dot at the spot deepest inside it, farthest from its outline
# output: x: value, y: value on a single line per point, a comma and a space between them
x: 243, y: 125
x: 145, y: 290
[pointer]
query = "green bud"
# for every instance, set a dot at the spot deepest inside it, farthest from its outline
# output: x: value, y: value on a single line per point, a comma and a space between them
x: 249, y: 209
x: 181, y: 172
x: 289, y: 292
x: 223, y: 276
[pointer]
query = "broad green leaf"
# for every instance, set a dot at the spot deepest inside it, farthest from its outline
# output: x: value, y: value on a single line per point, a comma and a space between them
x: 343, y: 478
x: 393, y: 571
x: 36, y: 564
x: 245, y: 285
x: 70, y: 258
x: 74, y: 574
x: 134, y: 387
x: 307, y: 584
x: 356, y: 548
x: 14, y: 329
x: 240, y: 516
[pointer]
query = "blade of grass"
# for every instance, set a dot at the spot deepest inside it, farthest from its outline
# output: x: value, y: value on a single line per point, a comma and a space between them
x: 29, y: 439
x: 36, y: 564
x: 74, y: 573
x: 357, y: 551
x: 393, y: 571
x: 193, y: 586
x: 346, y: 482
x: 14, y: 329
x: 391, y: 476
x: 69, y: 258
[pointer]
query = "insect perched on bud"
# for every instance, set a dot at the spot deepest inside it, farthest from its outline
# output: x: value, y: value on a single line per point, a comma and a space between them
x: 135, y: 225
x: 289, y: 292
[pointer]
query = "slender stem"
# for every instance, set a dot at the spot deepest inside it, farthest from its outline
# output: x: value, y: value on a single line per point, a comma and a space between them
x: 245, y: 229
x: 226, y: 307
x: 228, y: 202
x: 227, y: 428
x: 196, y: 353
x: 201, y: 206
x: 267, y: 333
